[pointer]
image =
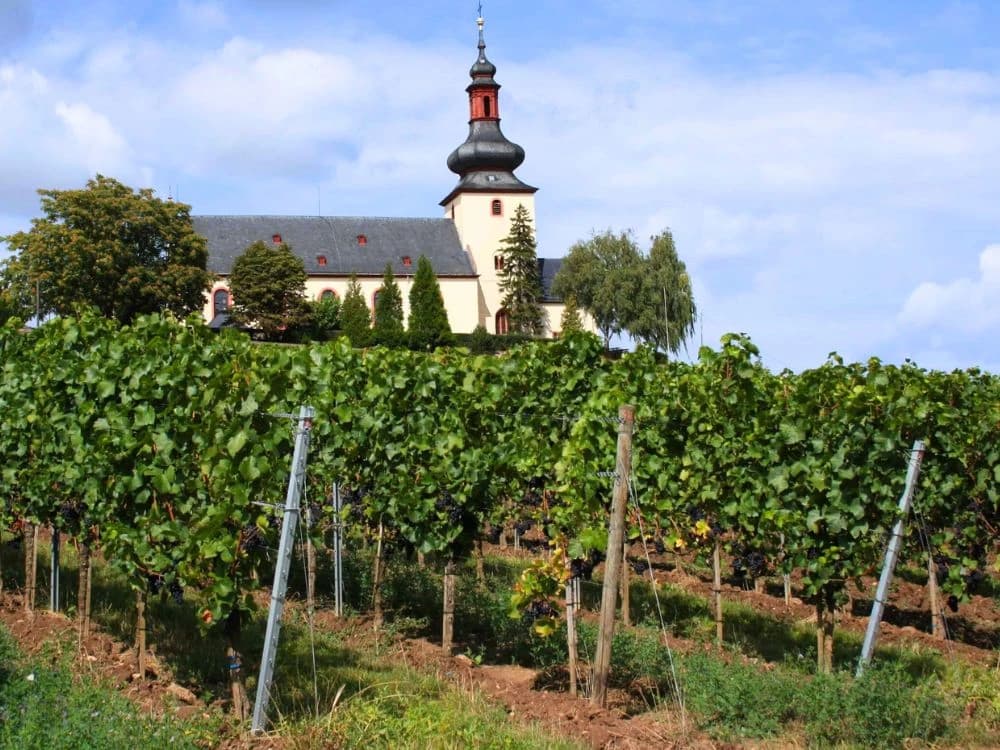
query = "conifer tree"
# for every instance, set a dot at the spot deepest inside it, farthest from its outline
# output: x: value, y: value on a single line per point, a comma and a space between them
x: 519, y: 278
x: 388, y: 328
x: 355, y: 319
x: 570, y: 322
x: 428, y: 324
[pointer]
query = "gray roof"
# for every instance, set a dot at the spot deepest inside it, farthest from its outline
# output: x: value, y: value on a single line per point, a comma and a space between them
x: 547, y: 270
x: 388, y: 240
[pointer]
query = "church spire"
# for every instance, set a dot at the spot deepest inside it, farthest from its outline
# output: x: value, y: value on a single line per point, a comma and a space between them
x: 487, y: 160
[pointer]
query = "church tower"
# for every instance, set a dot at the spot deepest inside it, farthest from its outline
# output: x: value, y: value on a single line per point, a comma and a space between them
x: 482, y: 203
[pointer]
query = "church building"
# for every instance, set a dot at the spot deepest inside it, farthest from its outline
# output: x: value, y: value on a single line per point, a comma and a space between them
x: 463, y: 246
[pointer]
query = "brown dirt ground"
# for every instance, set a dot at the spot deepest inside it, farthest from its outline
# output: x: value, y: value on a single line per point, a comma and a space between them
x: 977, y: 627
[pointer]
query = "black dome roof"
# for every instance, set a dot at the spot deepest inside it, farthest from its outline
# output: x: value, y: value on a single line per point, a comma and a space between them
x: 485, y: 148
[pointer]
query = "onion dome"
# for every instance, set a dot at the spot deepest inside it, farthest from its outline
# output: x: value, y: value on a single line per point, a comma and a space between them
x: 487, y: 160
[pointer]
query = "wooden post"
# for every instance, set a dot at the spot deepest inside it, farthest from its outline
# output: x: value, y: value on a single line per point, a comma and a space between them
x: 820, y: 634
x: 83, y: 591
x: 480, y: 564
x: 377, y: 579
x: 612, y: 569
x: 448, y: 620
x: 237, y: 687
x: 937, y: 616
x: 571, y: 644
x: 140, y: 633
x: 626, y: 576
x: 30, y: 565
x: 310, y: 563
x: 787, y: 580
x: 717, y: 588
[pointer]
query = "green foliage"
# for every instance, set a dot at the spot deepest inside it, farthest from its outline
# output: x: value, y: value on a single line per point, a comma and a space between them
x: 43, y: 707
x: 107, y: 246
x: 16, y: 301
x: 663, y: 313
x: 570, y: 321
x: 481, y: 341
x: 268, y: 283
x: 325, y: 316
x: 428, y: 324
x: 519, y: 278
x: 602, y: 275
x: 355, y: 317
x: 388, y: 327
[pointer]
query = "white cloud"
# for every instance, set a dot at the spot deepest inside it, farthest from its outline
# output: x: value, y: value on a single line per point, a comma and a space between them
x: 963, y: 306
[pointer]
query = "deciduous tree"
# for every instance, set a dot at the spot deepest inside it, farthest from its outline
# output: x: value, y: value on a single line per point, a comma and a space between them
x: 268, y: 283
x: 663, y: 312
x: 602, y: 274
x: 122, y: 251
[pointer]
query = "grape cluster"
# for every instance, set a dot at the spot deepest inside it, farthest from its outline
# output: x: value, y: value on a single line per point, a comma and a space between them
x: 155, y: 582
x: 447, y: 506
x: 584, y: 567
x: 538, y: 608
x: 176, y: 591
x: 748, y: 561
x: 659, y: 546
x: 251, y: 539
x: 493, y: 533
x: 524, y: 526
x: 70, y: 514
x: 640, y: 567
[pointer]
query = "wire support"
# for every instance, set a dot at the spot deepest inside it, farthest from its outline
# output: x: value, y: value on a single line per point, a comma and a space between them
x: 656, y: 598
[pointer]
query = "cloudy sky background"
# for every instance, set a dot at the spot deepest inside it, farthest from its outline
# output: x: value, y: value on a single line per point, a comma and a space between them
x: 831, y: 171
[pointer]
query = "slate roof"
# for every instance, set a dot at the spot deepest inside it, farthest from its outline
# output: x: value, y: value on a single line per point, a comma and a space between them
x: 547, y: 270
x: 388, y: 240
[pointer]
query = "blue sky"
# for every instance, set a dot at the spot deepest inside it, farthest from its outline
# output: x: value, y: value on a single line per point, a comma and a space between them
x: 829, y: 170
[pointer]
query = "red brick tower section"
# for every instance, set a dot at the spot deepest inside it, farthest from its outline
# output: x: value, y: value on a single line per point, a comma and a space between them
x: 484, y: 100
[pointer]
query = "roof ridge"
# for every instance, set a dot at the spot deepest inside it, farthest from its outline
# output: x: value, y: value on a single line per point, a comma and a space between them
x: 306, y: 216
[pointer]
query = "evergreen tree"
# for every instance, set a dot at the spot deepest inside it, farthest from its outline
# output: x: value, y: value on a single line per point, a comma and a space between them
x: 388, y: 328
x: 355, y: 319
x: 571, y: 322
x: 428, y: 324
x: 268, y: 283
x: 519, y: 278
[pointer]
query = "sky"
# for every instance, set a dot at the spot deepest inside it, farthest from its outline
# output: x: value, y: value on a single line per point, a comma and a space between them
x: 830, y: 170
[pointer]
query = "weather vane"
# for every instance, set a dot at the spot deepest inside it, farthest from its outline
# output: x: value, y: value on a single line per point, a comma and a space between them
x: 480, y: 9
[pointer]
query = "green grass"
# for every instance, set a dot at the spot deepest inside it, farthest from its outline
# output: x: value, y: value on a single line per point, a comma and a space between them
x: 44, y: 706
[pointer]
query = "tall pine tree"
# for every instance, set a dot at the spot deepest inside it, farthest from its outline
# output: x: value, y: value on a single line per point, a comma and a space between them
x: 428, y: 325
x: 355, y: 319
x: 388, y: 328
x: 571, y: 322
x: 520, y: 282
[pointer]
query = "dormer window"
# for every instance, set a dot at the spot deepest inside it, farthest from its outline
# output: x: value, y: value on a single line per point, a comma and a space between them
x: 321, y: 260
x: 407, y: 262
x: 496, y: 208
x: 362, y: 239
x: 276, y: 239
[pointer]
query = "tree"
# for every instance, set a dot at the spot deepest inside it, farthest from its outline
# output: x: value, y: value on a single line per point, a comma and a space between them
x: 268, y: 283
x: 663, y: 312
x: 428, y: 324
x: 570, y: 321
x: 388, y: 328
x: 602, y: 274
x: 519, y: 278
x: 355, y: 319
x: 107, y: 246
x: 14, y: 288
x: 325, y: 316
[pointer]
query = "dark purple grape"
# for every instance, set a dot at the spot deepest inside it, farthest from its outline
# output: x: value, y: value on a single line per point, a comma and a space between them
x: 176, y: 591
x: 953, y: 603
x: 155, y: 583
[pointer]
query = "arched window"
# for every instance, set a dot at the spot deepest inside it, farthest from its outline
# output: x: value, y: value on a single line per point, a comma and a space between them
x: 220, y: 301
x: 497, y: 208
x: 498, y: 262
x: 487, y: 107
x: 502, y: 324
x: 375, y: 299
x: 327, y: 294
